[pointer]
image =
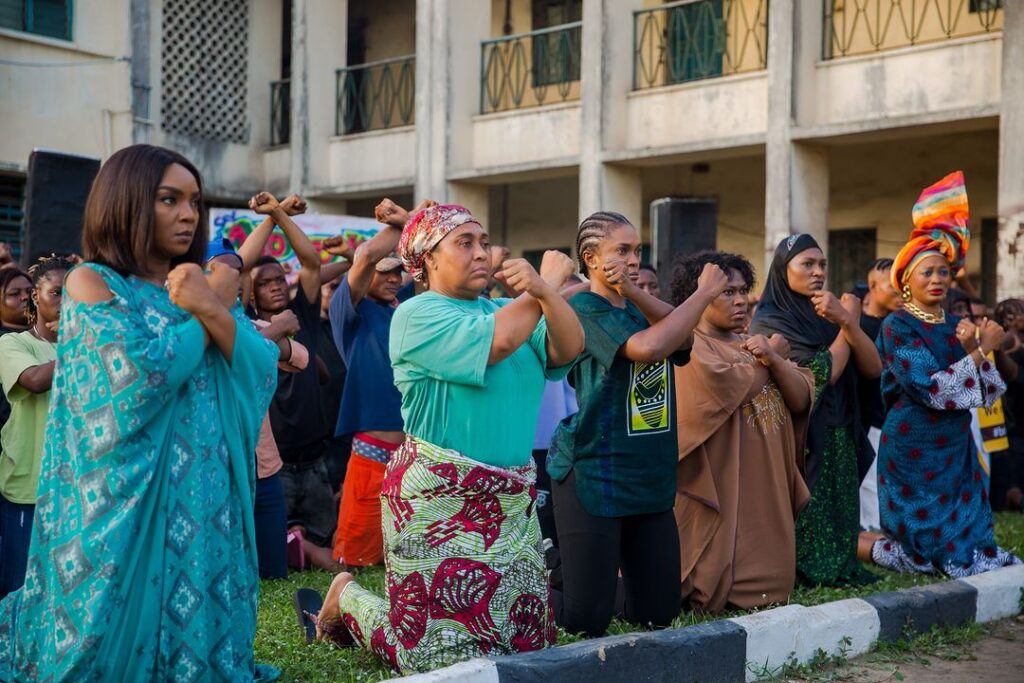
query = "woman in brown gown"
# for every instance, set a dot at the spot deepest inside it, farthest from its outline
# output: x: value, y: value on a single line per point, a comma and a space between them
x: 742, y: 412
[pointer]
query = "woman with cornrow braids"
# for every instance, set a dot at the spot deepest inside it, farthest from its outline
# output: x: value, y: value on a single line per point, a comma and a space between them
x: 613, y: 464
x: 27, y: 360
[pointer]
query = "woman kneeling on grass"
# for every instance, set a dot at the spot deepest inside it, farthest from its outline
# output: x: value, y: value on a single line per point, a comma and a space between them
x: 934, y: 507
x: 742, y: 420
x: 465, y: 574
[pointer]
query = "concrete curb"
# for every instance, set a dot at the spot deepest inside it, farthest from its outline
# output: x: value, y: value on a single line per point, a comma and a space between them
x: 757, y: 644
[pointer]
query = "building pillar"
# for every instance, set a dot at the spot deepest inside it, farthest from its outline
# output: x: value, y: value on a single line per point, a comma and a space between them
x: 323, y: 41
x: 432, y: 86
x: 1010, y: 259
x: 796, y: 174
x: 448, y: 37
x: 298, y: 91
x: 476, y: 198
x: 606, y: 69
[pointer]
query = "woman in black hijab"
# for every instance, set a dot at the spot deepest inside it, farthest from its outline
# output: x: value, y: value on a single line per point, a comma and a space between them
x: 825, y: 336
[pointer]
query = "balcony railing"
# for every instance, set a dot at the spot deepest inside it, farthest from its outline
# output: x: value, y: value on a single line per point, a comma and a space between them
x: 375, y: 95
x: 860, y: 27
x: 531, y: 69
x: 280, y: 112
x: 697, y: 39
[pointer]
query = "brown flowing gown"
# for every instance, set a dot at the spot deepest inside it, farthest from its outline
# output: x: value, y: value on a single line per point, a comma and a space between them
x: 738, y: 487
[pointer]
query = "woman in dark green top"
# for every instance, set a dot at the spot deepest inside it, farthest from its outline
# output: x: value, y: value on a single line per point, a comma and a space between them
x: 825, y: 336
x: 613, y: 464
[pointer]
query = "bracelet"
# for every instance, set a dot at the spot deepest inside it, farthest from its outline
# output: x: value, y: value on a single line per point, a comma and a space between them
x: 289, y: 358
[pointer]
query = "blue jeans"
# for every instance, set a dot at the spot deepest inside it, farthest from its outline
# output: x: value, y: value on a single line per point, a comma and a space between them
x: 15, y: 536
x: 271, y: 519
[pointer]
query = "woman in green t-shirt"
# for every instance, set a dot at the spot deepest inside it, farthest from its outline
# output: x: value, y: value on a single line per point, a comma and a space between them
x: 27, y: 360
x: 464, y: 565
x: 612, y: 465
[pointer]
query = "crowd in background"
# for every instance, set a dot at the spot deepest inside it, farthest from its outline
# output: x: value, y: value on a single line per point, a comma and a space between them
x: 521, y: 447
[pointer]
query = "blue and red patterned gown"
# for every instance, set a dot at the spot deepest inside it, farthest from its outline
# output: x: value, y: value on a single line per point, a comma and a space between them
x: 934, y: 507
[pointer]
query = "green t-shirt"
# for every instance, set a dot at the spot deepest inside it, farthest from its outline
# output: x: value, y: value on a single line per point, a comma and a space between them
x: 622, y: 442
x: 450, y: 396
x: 22, y: 436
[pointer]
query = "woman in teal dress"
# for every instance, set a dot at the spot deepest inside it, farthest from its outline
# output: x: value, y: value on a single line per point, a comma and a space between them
x: 142, y: 564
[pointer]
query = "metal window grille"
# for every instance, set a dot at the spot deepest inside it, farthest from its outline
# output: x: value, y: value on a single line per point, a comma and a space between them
x: 697, y: 39
x: 858, y: 27
x: 375, y: 95
x: 12, y: 201
x: 204, y: 81
x: 531, y: 69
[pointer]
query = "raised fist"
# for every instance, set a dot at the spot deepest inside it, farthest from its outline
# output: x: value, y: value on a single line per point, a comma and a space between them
x: 264, y: 203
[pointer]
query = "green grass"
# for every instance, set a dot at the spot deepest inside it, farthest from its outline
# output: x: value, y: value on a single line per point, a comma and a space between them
x: 279, y: 641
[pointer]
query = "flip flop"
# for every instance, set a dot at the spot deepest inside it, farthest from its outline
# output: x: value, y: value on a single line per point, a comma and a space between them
x: 296, y: 553
x: 307, y: 606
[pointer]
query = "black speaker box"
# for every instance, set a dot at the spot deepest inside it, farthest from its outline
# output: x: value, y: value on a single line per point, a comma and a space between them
x: 55, y: 193
x: 680, y: 226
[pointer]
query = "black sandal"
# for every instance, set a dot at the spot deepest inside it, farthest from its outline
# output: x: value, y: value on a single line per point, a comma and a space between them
x: 307, y: 606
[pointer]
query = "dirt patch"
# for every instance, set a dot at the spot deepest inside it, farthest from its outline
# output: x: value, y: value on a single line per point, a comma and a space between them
x: 990, y: 653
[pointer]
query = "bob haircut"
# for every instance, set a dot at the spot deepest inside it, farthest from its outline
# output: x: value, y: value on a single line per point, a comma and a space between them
x: 120, y: 218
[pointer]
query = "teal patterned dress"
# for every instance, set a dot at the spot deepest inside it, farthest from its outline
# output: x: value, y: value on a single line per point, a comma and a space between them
x: 142, y: 564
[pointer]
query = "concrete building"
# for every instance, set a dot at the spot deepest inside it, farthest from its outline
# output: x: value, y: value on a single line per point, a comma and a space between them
x: 786, y: 115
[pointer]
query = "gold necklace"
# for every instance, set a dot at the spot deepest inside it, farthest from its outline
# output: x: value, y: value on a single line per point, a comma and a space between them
x: 935, y: 318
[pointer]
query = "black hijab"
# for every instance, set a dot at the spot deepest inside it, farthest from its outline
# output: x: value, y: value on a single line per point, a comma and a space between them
x: 783, y: 311
x: 792, y: 315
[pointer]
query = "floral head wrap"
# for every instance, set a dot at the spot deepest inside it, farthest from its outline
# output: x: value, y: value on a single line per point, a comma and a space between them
x: 941, y: 218
x: 423, y: 232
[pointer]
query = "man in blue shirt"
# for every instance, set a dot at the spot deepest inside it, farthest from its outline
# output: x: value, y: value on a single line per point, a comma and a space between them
x: 371, y: 407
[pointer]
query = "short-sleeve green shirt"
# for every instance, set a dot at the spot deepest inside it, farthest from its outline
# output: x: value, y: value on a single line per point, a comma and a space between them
x: 22, y: 436
x: 451, y: 397
x: 622, y: 442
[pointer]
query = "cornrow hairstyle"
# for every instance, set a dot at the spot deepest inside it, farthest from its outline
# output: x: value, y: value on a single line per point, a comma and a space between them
x: 881, y: 264
x: 592, y: 230
x: 687, y: 270
x: 40, y: 269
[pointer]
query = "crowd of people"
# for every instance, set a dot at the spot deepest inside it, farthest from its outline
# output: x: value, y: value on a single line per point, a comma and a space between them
x: 521, y: 447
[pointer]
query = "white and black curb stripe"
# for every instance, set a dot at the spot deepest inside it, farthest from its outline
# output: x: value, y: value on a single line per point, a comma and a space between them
x: 748, y: 647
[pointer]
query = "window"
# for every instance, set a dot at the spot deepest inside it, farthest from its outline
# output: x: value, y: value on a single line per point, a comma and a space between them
x: 850, y: 254
x: 556, y: 55
x: 50, y: 18
x: 696, y: 41
x: 985, y: 5
x: 12, y: 199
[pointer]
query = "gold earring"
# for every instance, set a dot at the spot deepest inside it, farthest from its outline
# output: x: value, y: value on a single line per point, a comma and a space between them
x: 905, y: 294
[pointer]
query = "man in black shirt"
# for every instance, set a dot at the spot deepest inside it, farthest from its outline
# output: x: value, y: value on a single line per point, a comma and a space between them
x: 296, y: 414
x: 881, y: 300
x: 338, y: 448
x: 1007, y: 480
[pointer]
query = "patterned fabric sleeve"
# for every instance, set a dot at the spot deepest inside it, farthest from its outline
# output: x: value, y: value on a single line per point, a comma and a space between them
x: 960, y: 386
x: 993, y: 384
x: 116, y: 372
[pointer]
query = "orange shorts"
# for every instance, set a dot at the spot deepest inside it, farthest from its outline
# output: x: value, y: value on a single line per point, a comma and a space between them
x: 358, y: 540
